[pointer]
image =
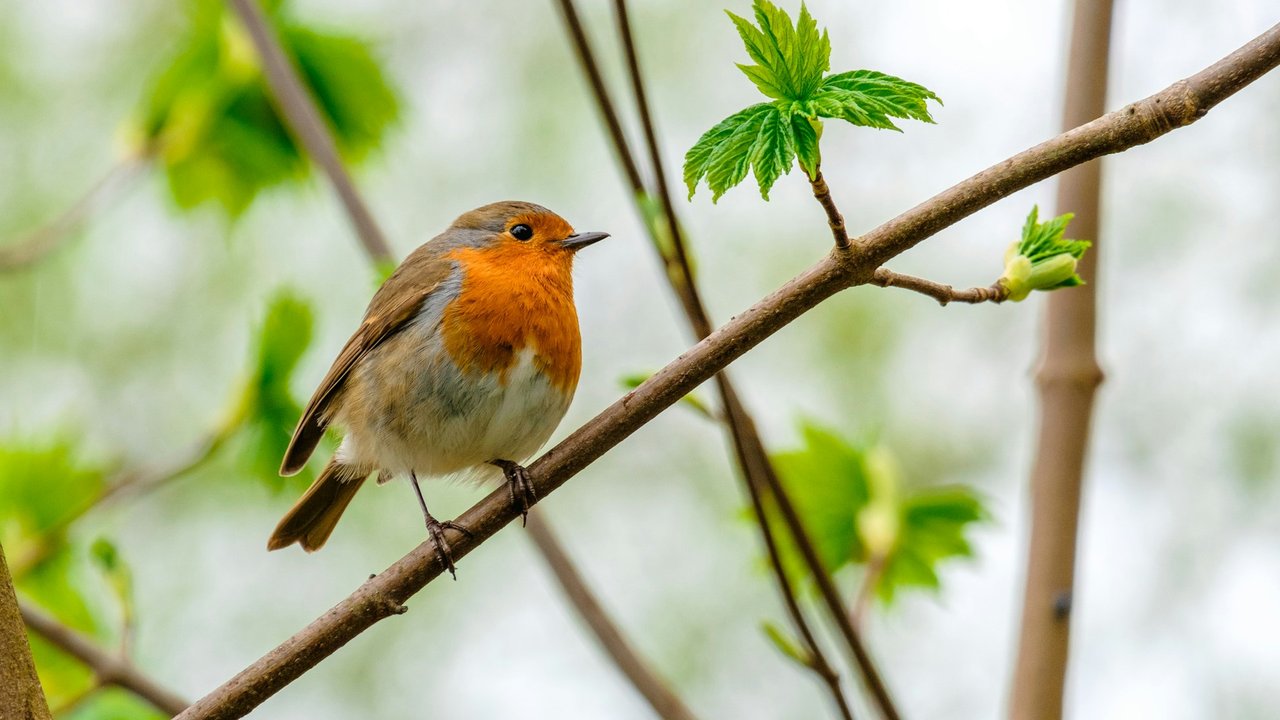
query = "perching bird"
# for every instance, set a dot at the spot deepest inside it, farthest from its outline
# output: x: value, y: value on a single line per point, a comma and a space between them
x: 467, y: 358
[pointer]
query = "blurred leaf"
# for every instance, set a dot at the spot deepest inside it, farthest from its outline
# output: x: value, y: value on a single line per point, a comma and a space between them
x: 219, y: 135
x: 118, y: 577
x: 785, y: 644
x: 270, y: 409
x: 44, y: 485
x: 855, y: 507
x: 692, y: 400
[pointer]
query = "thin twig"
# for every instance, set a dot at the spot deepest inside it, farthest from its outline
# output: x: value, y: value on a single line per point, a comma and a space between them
x: 1068, y: 379
x: 107, y: 668
x: 753, y: 460
x: 586, y: 59
x: 664, y: 702
x: 41, y: 242
x: 1176, y: 106
x: 942, y: 293
x: 834, y: 219
x: 302, y: 116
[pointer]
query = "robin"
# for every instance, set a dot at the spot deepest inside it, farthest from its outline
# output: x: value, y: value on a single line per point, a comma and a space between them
x: 466, y: 360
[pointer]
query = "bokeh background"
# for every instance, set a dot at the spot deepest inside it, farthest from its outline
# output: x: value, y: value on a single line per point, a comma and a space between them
x: 128, y: 342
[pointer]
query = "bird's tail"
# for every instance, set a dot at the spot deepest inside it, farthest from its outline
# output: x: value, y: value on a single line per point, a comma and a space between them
x: 310, y: 521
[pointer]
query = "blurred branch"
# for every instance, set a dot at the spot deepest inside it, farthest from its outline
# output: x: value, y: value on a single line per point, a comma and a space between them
x: 753, y: 460
x: 300, y: 113
x: 942, y: 293
x: 135, y: 480
x: 108, y: 669
x: 302, y: 116
x: 21, y: 696
x: 664, y: 702
x: 384, y: 595
x: 1068, y: 378
x: 41, y: 242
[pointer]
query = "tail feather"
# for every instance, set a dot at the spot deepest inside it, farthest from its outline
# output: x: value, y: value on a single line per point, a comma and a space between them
x: 311, y: 520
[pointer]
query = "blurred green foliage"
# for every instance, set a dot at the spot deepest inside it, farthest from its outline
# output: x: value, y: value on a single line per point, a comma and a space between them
x: 858, y: 512
x: 210, y: 116
x: 268, y: 410
x: 791, y: 62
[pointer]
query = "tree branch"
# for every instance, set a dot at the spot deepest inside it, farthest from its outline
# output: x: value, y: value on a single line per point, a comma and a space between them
x: 303, y: 118
x: 754, y: 463
x: 1068, y: 378
x: 664, y: 702
x: 39, y: 243
x: 107, y: 668
x: 21, y: 696
x: 1181, y: 104
x: 942, y: 293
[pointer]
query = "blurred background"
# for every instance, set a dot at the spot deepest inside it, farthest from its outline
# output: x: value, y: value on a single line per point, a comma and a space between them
x: 126, y: 345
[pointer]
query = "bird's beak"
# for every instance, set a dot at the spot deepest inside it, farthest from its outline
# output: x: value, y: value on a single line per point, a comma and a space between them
x: 577, y: 241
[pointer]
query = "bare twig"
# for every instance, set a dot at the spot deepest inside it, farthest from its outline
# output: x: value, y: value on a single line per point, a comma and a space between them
x: 1068, y: 378
x: 303, y: 118
x: 942, y: 293
x: 21, y: 696
x: 1178, y: 105
x: 834, y: 219
x: 585, y: 57
x: 754, y: 462
x: 109, y: 669
x: 665, y: 703
x: 39, y: 243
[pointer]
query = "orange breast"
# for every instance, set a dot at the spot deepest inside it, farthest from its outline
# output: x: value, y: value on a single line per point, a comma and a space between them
x: 514, y: 297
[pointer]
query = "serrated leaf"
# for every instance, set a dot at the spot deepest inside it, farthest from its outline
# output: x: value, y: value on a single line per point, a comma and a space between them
x: 869, y: 98
x: 773, y: 152
x: 790, y: 59
x: 697, y: 162
x: 805, y: 137
x: 1042, y: 259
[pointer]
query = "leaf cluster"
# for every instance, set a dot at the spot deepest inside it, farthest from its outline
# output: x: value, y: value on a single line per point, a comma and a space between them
x: 218, y: 133
x: 1042, y: 259
x: 858, y: 511
x: 791, y: 64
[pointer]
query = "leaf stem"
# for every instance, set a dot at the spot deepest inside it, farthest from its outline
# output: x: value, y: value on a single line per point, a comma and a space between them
x: 834, y: 219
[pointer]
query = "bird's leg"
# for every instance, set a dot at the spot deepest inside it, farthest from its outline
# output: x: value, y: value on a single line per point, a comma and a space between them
x: 436, y: 529
x: 522, y: 493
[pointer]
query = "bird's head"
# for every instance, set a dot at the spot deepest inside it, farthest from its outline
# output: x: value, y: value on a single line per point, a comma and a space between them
x: 525, y: 228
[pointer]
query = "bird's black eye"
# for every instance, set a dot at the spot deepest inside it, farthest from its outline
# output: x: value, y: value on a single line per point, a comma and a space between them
x: 521, y: 232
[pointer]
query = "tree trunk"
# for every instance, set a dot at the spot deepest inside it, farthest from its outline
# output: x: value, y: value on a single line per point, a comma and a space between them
x: 21, y: 697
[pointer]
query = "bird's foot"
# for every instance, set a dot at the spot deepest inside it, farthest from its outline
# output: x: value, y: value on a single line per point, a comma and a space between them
x: 523, y: 495
x: 436, y: 529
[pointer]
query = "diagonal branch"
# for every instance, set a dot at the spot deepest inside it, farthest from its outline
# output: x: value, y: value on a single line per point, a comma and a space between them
x: 753, y: 460
x: 21, y: 695
x: 383, y: 595
x: 107, y: 668
x: 665, y: 703
x: 303, y: 118
x: 944, y: 294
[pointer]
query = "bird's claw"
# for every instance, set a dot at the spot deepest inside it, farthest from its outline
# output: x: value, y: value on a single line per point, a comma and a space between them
x: 522, y: 493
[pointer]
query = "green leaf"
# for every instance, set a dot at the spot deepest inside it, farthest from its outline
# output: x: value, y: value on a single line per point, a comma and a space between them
x: 697, y: 162
x: 785, y: 644
x: 790, y: 59
x: 270, y: 408
x: 44, y: 484
x: 934, y: 523
x: 117, y: 574
x: 827, y: 480
x: 805, y: 135
x: 114, y: 704
x: 869, y: 98
x: 1042, y: 259
x: 773, y: 151
x: 219, y: 136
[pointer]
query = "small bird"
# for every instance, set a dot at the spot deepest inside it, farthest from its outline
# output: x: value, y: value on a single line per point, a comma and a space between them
x: 466, y: 360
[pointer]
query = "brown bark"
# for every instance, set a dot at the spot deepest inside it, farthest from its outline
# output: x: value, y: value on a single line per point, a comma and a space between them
x: 21, y: 696
x: 1067, y: 379
x: 382, y: 596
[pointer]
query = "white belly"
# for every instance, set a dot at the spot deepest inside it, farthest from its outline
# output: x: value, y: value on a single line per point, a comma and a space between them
x: 449, y: 422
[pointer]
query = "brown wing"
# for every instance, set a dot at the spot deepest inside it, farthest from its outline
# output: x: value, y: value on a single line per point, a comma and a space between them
x: 392, y: 307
